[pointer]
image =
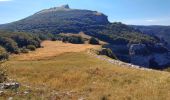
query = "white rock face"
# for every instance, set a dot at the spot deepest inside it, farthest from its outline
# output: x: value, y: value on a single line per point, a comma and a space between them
x: 62, y: 8
x: 138, y: 55
x: 161, y: 60
x: 9, y: 86
x: 155, y: 56
x: 153, y: 60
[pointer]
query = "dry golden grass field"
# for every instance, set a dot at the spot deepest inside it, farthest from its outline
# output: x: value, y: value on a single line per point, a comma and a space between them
x: 62, y: 71
x: 52, y: 49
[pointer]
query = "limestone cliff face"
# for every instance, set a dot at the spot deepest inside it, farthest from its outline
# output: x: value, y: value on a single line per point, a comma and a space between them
x: 161, y: 32
x: 142, y: 55
x: 155, y: 56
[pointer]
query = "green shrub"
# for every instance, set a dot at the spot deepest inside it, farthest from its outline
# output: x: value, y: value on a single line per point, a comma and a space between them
x: 31, y: 47
x: 14, y: 41
x: 25, y: 39
x: 93, y: 41
x: 3, y: 54
x: 53, y: 39
x: 73, y: 39
x: 3, y: 76
x: 9, y: 44
x: 108, y: 52
x: 24, y: 50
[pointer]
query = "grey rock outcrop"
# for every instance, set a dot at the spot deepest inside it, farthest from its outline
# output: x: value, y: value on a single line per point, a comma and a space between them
x: 65, y: 6
x: 138, y: 49
x: 12, y: 86
x: 157, y: 57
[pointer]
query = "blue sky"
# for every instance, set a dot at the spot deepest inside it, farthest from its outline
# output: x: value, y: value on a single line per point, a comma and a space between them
x: 138, y: 12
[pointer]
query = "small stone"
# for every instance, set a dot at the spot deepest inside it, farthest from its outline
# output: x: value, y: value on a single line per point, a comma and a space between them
x: 10, y: 98
x: 9, y: 86
x: 26, y: 92
x: 1, y: 92
x: 81, y: 98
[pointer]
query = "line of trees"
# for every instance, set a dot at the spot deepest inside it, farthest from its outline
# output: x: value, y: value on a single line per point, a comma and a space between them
x: 20, y: 42
x: 73, y: 39
x: 17, y: 42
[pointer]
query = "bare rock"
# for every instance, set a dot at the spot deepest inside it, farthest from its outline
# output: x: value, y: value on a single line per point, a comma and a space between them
x: 12, y: 86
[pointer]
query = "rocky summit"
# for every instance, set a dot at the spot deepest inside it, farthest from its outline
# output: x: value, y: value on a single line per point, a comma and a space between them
x: 58, y: 19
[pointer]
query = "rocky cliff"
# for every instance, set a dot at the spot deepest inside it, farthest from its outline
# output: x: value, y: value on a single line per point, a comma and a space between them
x: 157, y: 56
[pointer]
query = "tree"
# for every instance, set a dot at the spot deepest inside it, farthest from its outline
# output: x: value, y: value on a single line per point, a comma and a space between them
x: 3, y: 54
x: 108, y: 52
x: 31, y: 47
x: 24, y: 40
x: 24, y: 50
x: 93, y: 41
x: 73, y: 39
x: 9, y: 44
x: 3, y: 75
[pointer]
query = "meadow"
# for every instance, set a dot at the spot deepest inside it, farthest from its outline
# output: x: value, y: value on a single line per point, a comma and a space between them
x: 64, y: 71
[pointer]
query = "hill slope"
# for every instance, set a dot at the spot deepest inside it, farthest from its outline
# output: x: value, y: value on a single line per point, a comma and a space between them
x: 59, y: 19
x: 78, y: 75
x: 162, y: 32
x: 66, y: 20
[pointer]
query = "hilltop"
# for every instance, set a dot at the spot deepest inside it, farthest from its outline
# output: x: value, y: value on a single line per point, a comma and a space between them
x: 59, y: 19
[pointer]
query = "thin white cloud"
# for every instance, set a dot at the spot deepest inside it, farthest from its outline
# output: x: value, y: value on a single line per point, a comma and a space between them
x: 150, y: 20
x: 4, y: 0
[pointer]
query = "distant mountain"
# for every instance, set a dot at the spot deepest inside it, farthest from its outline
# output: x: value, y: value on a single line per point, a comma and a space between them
x: 64, y: 19
x: 128, y: 43
x: 58, y: 19
x: 162, y: 32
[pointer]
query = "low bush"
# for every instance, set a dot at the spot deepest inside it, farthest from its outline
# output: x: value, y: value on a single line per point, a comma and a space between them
x: 3, y: 54
x: 14, y: 41
x: 9, y: 44
x: 93, y: 41
x: 31, y: 47
x: 53, y: 39
x: 108, y: 52
x: 73, y: 39
x: 3, y: 76
x: 24, y: 50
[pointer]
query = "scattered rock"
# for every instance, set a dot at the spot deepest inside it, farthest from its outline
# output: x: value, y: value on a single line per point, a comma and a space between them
x: 1, y: 92
x: 27, y: 92
x: 12, y: 86
x: 10, y: 98
x: 81, y: 98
